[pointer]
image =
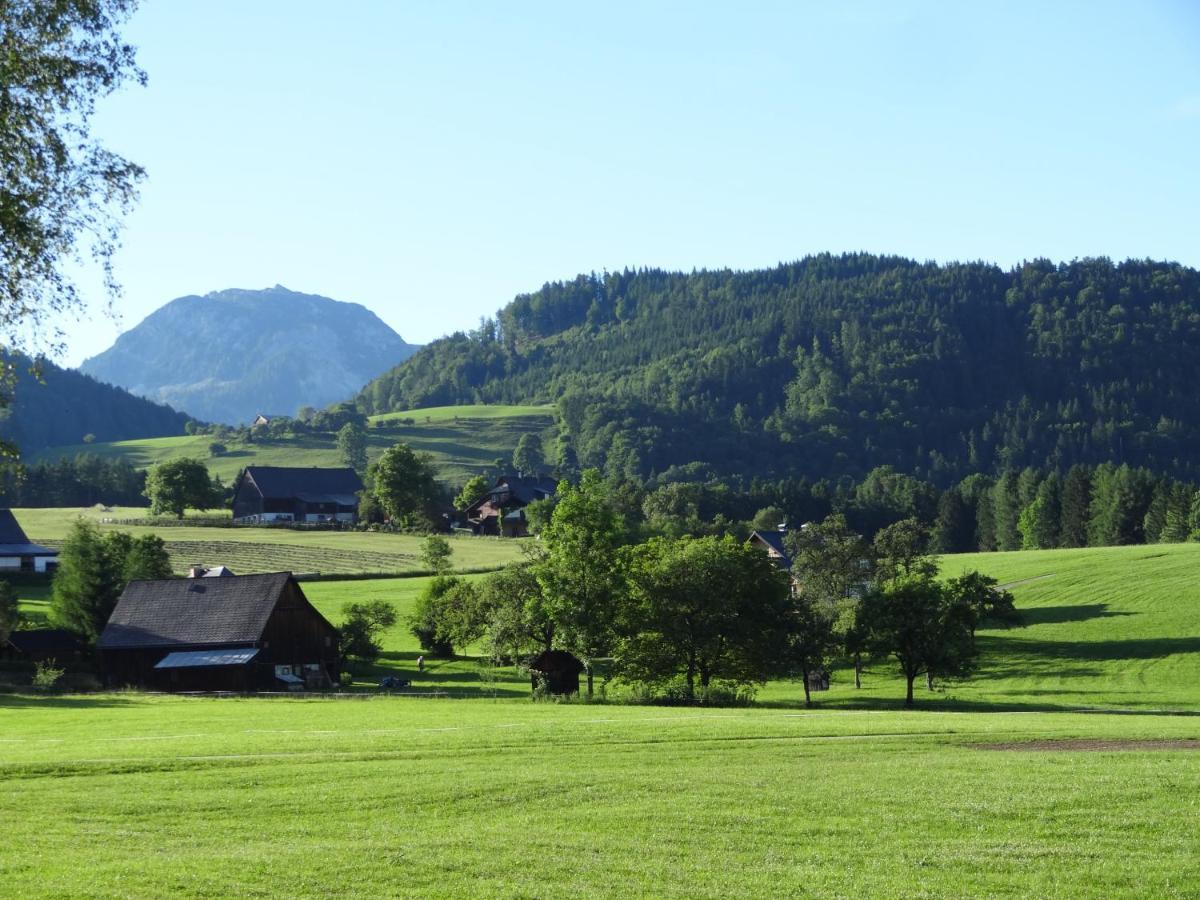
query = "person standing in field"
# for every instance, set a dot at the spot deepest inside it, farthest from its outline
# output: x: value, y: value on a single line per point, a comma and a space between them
x: 420, y: 663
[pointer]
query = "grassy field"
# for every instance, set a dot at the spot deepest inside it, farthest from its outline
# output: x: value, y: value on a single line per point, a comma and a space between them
x: 136, y: 796
x: 1068, y: 766
x: 249, y: 550
x: 463, y: 441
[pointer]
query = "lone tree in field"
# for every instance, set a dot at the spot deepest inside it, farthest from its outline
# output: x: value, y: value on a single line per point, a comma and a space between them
x: 435, y: 554
x: 402, y: 483
x: 580, y: 574
x: 178, y: 485
x: 63, y: 192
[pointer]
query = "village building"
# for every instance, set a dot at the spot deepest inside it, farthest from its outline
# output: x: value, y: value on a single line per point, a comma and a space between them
x: 772, y: 543
x: 236, y: 633
x: 501, y: 511
x: 17, y: 553
x: 266, y: 494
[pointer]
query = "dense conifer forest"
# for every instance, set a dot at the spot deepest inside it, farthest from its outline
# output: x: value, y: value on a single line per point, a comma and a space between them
x: 832, y: 366
x: 55, y: 406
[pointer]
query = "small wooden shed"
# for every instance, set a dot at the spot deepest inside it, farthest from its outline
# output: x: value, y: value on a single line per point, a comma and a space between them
x: 558, y: 670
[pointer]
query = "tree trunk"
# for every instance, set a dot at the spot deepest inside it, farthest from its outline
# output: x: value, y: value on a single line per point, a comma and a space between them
x: 929, y: 680
x: 589, y: 674
x: 858, y: 670
x: 908, y: 699
x: 807, y: 694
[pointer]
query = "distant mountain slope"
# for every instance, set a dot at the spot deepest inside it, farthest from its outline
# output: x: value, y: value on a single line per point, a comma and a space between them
x: 66, y: 405
x: 461, y: 440
x: 833, y: 365
x: 229, y: 355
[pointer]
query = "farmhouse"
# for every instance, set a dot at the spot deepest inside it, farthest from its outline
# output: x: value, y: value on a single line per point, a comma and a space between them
x: 281, y: 494
x: 502, y: 509
x: 772, y: 543
x: 17, y: 554
x: 237, y: 633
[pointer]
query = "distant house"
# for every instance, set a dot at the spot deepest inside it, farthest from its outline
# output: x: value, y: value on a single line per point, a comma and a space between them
x: 198, y: 571
x: 280, y: 494
x: 17, y: 554
x: 237, y: 633
x: 261, y: 420
x: 502, y: 509
x: 772, y: 543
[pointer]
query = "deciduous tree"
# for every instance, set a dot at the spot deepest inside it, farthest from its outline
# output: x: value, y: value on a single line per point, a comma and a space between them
x: 178, y: 485
x: 403, y: 484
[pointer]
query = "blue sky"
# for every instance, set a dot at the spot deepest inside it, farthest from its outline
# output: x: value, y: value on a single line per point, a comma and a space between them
x: 432, y: 160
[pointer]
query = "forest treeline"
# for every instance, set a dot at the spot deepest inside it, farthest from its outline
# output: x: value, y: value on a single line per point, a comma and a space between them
x: 51, y: 406
x: 835, y: 365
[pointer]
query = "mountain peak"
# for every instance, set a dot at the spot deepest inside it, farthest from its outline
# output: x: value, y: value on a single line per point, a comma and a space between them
x: 227, y: 354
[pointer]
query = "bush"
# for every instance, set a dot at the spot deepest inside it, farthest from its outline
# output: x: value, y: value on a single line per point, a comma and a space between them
x: 46, y: 675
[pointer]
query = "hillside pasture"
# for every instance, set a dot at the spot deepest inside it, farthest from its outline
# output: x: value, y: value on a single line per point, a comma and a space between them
x: 254, y: 549
x: 462, y: 441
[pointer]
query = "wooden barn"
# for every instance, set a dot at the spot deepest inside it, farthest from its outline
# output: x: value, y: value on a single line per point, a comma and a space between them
x: 558, y: 670
x: 267, y: 494
x: 17, y: 554
x: 237, y: 633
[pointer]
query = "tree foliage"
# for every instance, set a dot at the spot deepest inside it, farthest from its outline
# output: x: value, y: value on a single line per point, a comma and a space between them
x: 580, y: 575
x: 63, y: 191
x: 93, y: 569
x: 402, y: 482
x: 704, y: 609
x: 359, y: 633
x: 181, y: 484
x: 352, y: 445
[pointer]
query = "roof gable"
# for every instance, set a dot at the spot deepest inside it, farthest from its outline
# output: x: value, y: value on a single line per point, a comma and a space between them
x: 774, y: 541
x: 188, y: 611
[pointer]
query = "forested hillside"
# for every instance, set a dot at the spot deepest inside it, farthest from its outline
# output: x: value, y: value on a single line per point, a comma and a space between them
x: 63, y: 406
x: 834, y: 365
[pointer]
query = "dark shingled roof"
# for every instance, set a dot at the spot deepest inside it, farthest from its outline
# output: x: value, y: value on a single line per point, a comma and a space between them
x: 286, y: 481
x: 13, y: 541
x: 526, y: 490
x: 191, y: 611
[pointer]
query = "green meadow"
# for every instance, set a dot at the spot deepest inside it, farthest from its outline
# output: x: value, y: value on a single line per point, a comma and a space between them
x: 462, y: 441
x: 1067, y: 766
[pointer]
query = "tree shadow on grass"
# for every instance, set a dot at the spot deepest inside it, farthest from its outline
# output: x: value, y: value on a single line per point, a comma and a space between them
x: 22, y: 701
x: 1054, y: 615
